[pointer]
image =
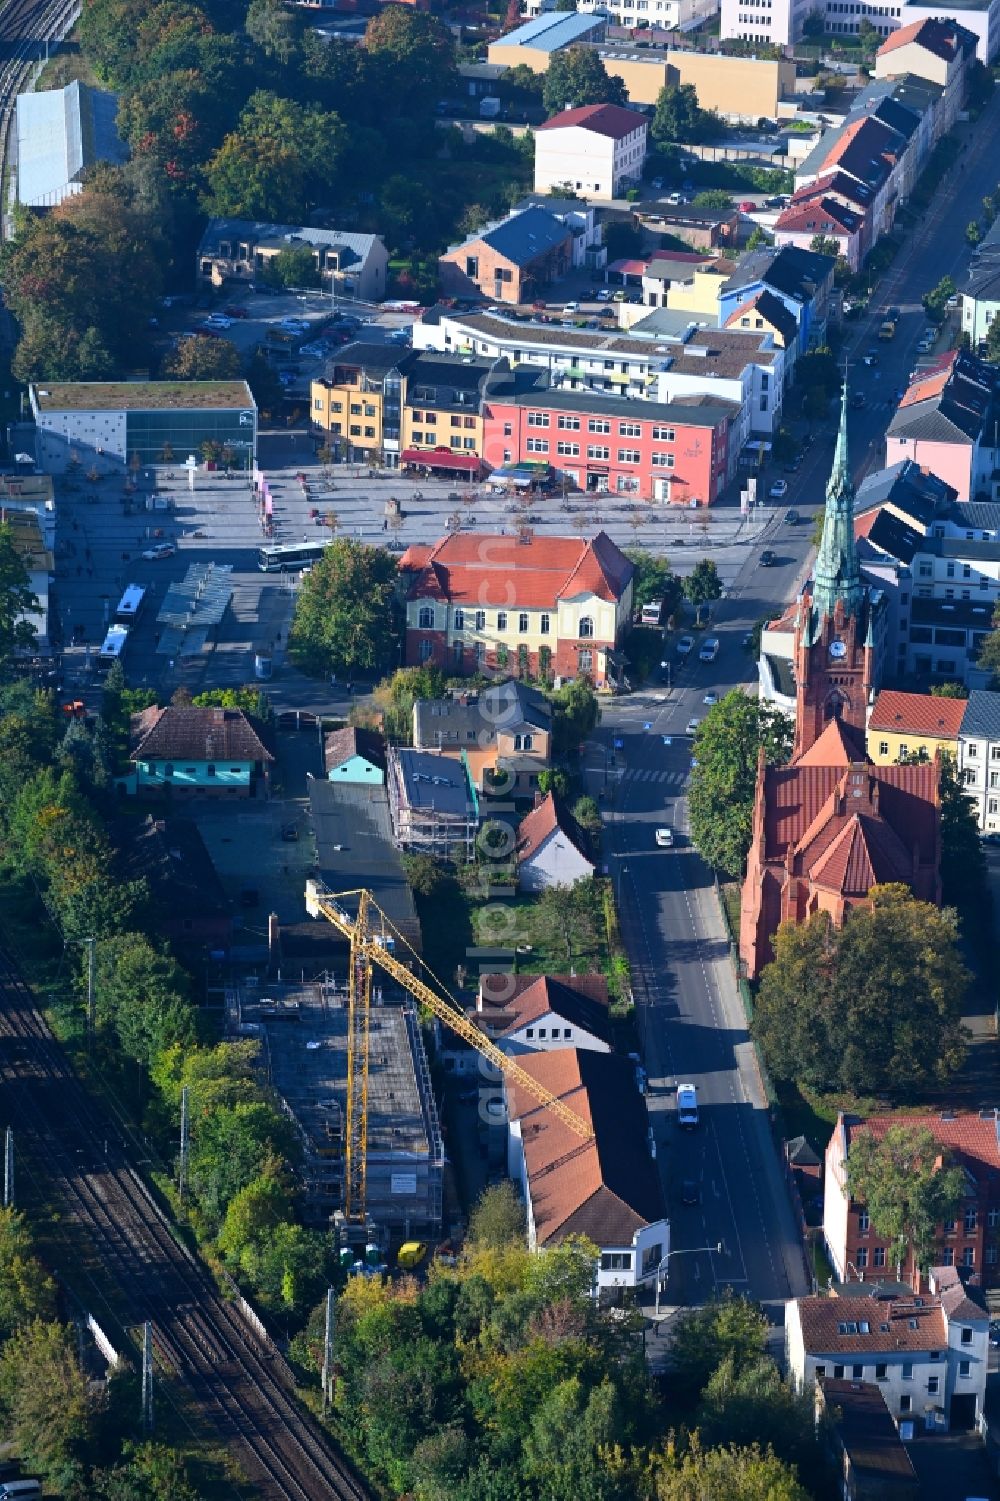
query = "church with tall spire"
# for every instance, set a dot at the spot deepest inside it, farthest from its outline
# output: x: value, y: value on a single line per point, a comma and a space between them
x: 829, y: 826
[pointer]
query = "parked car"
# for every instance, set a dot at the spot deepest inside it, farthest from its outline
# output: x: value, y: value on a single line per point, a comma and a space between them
x: 664, y: 838
x: 684, y: 645
x: 693, y: 724
x: 746, y: 207
x: 767, y: 558
x: 778, y: 489
x: 792, y: 518
x: 604, y: 295
x: 711, y: 697
x: 218, y: 320
x: 161, y: 550
x: 690, y: 1192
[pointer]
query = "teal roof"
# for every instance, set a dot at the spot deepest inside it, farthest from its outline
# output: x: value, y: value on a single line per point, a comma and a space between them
x: 837, y: 575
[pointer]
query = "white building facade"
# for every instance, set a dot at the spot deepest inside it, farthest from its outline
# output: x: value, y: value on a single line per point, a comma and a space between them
x: 597, y: 150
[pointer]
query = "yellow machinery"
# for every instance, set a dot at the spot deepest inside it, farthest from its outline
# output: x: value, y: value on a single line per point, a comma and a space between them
x: 370, y: 946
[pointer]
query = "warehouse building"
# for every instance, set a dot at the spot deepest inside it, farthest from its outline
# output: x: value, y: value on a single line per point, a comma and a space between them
x: 161, y: 421
x: 60, y: 134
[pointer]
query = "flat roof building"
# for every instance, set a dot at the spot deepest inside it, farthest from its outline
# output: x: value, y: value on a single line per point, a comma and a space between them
x: 161, y: 421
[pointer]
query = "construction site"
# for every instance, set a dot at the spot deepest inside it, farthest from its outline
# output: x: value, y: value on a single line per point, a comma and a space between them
x: 304, y: 1032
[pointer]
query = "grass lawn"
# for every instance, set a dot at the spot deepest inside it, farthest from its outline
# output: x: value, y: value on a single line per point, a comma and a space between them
x: 65, y: 66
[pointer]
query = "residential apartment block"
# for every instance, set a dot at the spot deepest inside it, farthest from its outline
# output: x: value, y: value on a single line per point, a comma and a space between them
x: 675, y: 453
x: 981, y: 288
x: 352, y: 265
x: 968, y: 1242
x: 935, y: 48
x: 800, y: 279
x: 781, y: 22
x: 502, y: 733
x: 948, y: 422
x: 903, y: 725
x: 597, y: 150
x: 927, y: 1353
x: 979, y: 756
x: 511, y: 260
x: 549, y: 607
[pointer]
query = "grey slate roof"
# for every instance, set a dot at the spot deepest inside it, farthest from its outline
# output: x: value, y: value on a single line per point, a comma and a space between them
x: 522, y: 237
x: 60, y: 133
x: 922, y: 495
x: 375, y: 359
x: 357, y: 246
x: 785, y: 268
x: 553, y: 30
x: 472, y: 719
x: 981, y: 720
x: 355, y: 849
x: 435, y: 783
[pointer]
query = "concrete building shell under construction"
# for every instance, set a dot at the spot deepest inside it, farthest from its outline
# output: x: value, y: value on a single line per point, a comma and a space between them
x: 303, y: 1031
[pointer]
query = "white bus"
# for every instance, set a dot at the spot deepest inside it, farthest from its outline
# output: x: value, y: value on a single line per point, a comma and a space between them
x: 288, y: 555
x: 130, y: 604
x: 114, y: 645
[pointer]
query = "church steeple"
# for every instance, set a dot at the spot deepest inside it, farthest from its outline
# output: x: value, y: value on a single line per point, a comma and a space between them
x: 837, y: 575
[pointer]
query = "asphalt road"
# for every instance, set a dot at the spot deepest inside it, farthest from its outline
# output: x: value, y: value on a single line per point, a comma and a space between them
x: 690, y: 1016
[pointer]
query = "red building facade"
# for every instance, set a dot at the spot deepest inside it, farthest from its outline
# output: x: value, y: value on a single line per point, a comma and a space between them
x: 668, y: 452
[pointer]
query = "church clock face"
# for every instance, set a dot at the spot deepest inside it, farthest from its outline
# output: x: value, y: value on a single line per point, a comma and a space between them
x: 838, y: 650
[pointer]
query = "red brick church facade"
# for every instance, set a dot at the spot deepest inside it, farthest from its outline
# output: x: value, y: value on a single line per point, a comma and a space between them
x: 830, y: 825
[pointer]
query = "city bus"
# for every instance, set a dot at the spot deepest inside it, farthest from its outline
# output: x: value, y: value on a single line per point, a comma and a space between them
x: 114, y: 645
x: 288, y: 555
x: 130, y: 604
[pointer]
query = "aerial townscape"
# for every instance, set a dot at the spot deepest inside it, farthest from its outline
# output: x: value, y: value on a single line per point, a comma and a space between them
x: 500, y: 750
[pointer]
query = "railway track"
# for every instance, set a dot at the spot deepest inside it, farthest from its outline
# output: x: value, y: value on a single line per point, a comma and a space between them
x: 242, y: 1385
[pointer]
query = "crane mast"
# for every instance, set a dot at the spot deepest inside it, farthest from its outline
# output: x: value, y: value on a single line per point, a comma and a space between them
x: 367, y: 949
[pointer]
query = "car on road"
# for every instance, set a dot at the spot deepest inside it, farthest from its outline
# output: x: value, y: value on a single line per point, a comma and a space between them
x: 693, y: 724
x: 870, y: 359
x: 767, y: 558
x: 792, y: 518
x: 161, y: 550
x: 664, y: 838
x: 778, y: 489
x: 991, y: 838
x: 747, y: 641
x: 746, y: 207
x: 926, y: 344
x: 709, y: 649
x: 684, y: 645
x: 711, y: 697
x: 793, y: 465
x: 571, y: 307
x: 218, y: 320
x: 858, y: 401
x: 892, y: 313
x: 604, y: 295
x: 676, y: 199
x: 690, y: 1192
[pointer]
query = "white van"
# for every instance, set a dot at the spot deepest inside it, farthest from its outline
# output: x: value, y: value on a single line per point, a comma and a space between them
x: 687, y: 1106
x: 17, y: 1488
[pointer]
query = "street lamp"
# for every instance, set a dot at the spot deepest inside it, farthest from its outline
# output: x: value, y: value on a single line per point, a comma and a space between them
x: 685, y: 1251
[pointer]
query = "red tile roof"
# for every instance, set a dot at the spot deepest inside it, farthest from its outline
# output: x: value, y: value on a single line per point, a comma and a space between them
x: 931, y: 381
x: 889, y: 1324
x: 972, y: 1139
x: 933, y: 33
x: 606, y: 1187
x: 864, y: 854
x: 482, y: 569
x: 604, y: 119
x: 919, y: 713
x: 580, y: 1000
x: 800, y: 807
x: 838, y: 745
x: 825, y: 217
x: 190, y: 733
x: 536, y: 826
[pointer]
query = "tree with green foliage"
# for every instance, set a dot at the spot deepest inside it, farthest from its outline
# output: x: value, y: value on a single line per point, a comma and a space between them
x: 713, y: 198
x: 498, y: 1218
x: 396, y: 695
x: 281, y: 160
x: 149, y: 1472
x: 748, y: 1403
x: 424, y: 874
x: 757, y: 632
x: 724, y: 780
x: 949, y: 690
x: 44, y: 1402
x: 576, y: 76
x: 825, y: 245
x: 736, y: 1474
x: 295, y: 267
x: 678, y: 117
x: 989, y: 652
x: 18, y: 601
x: 973, y: 232
x: 575, y: 714
x: 345, y: 617
x: 909, y: 1185
x: 758, y: 238
x: 249, y: 698
x: 569, y: 918
x: 874, y: 1007
x: 654, y: 579
x: 140, y: 996
x: 964, y: 872
x: 198, y: 357
x: 414, y: 59
x: 728, y: 1328
x: 275, y: 29
x: 26, y: 1290
x: 231, y: 1146
x: 703, y: 584
x: 265, y: 386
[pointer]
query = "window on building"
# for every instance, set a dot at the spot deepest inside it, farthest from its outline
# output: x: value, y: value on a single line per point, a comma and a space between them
x: 568, y: 450
x: 933, y: 1383
x: 864, y: 1221
x: 355, y: 409
x: 616, y: 1261
x: 480, y: 620
x: 879, y: 1257
x: 537, y: 445
x: 966, y: 1336
x: 596, y: 452
x: 820, y: 1368
x: 662, y: 460
x: 993, y: 1218
x: 425, y: 620
x: 501, y: 620
x: 629, y: 430
x: 969, y: 1256
x: 538, y: 419
x: 585, y: 660
x: 472, y: 266
x: 586, y: 626
x: 881, y: 1371
x: 907, y: 1370
x: 508, y: 429
x: 990, y: 1255
x: 628, y: 456
x: 948, y: 1256
x: 965, y: 1368
x: 861, y: 1257
x: 598, y: 425
x: 905, y: 1402
x: 460, y: 620
x: 543, y: 625
x: 970, y: 1219
x: 883, y: 747
x: 838, y: 1373
x: 663, y: 434
x: 522, y: 622
x: 568, y: 424
x: 425, y: 650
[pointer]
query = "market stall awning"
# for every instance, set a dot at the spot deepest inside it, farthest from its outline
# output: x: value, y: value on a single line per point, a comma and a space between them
x: 441, y: 458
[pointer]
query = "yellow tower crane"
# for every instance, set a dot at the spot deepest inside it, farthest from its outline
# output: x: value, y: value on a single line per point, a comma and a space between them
x: 372, y: 940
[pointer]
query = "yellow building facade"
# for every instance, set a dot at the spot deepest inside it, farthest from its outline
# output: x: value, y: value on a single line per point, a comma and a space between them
x: 904, y: 725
